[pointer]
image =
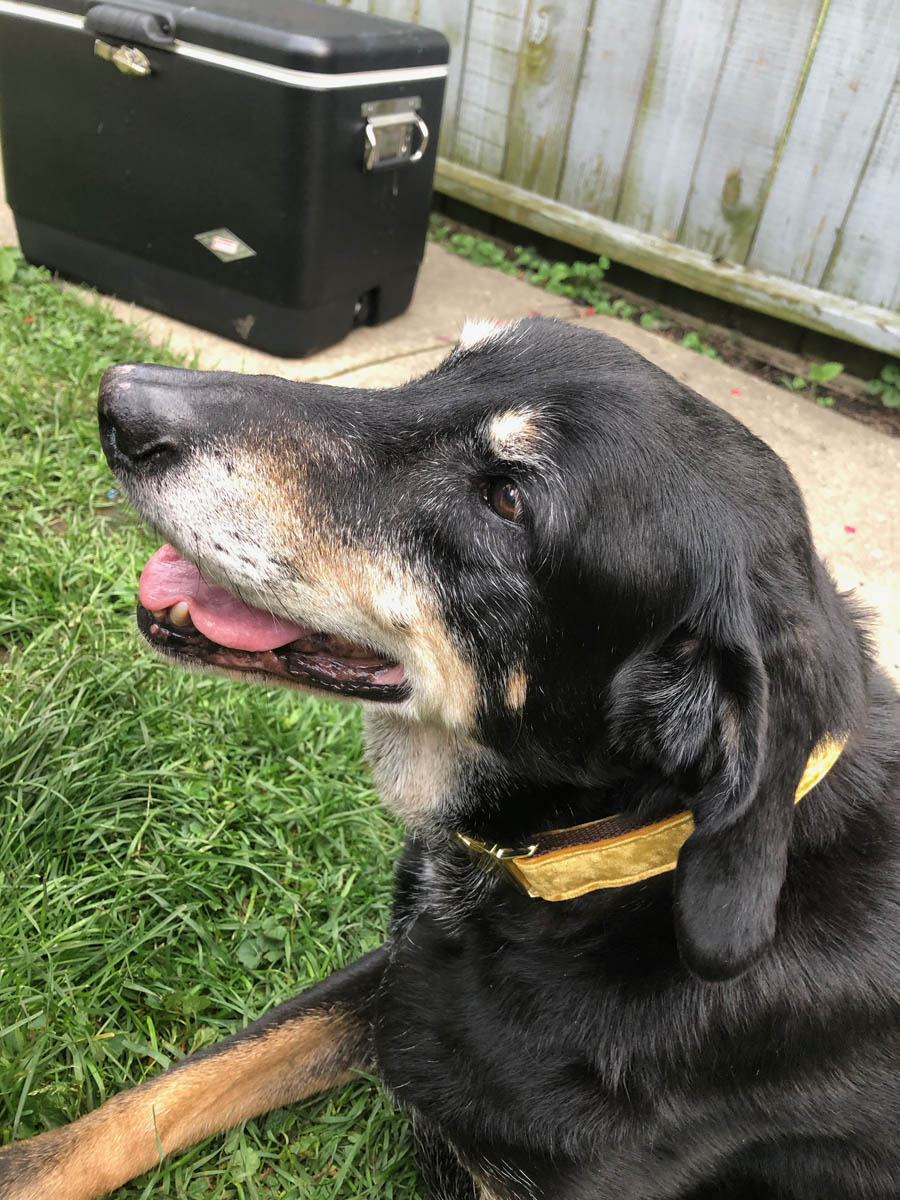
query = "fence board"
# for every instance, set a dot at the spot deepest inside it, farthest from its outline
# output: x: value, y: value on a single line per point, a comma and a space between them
x: 452, y: 20
x: 398, y: 10
x: 488, y: 79
x: 547, y: 79
x: 867, y: 257
x: 620, y: 39
x: 476, y: 119
x: 682, y: 81
x: 849, y: 83
x: 492, y: 61
x: 760, y: 73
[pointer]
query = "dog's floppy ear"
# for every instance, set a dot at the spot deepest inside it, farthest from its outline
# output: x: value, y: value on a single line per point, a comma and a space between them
x: 700, y: 707
x: 731, y: 869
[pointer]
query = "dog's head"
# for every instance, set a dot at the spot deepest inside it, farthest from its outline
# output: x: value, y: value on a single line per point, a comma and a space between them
x: 547, y: 558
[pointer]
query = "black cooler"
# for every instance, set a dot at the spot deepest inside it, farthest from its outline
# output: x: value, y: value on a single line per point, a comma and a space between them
x: 261, y: 168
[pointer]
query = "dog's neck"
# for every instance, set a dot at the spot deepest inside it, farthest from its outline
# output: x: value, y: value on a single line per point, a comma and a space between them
x: 439, y: 781
x: 433, y: 777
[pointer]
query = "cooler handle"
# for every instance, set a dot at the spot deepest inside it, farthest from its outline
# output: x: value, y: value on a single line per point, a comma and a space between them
x: 389, y: 134
x: 130, y: 25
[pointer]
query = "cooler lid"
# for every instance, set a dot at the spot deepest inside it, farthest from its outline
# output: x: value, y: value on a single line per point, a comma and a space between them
x: 301, y: 35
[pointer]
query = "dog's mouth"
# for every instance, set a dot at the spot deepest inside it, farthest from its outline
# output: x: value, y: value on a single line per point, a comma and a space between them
x: 184, y: 615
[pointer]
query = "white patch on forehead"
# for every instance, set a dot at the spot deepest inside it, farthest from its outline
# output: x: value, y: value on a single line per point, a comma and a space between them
x: 515, y: 434
x: 477, y: 333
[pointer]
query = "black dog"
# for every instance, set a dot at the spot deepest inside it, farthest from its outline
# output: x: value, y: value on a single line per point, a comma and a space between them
x: 566, y: 589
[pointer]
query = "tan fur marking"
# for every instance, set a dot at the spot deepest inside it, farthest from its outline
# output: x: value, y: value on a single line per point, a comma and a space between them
x: 365, y: 594
x: 517, y: 688
x: 485, y: 1190
x: 414, y: 767
x: 515, y: 434
x: 127, y: 1135
x: 379, y: 595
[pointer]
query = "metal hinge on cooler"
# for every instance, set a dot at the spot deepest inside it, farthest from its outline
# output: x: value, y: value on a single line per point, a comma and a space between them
x: 390, y: 129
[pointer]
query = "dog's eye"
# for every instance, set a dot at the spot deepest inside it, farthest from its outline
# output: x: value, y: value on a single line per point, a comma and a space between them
x: 503, y: 497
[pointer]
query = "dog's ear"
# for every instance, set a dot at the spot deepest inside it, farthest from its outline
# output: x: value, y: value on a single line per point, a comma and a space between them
x: 699, y: 708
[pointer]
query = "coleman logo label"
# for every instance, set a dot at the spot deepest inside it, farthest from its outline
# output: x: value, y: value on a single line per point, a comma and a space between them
x: 225, y: 245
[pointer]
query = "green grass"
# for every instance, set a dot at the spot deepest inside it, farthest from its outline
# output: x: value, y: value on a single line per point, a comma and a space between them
x: 177, y: 853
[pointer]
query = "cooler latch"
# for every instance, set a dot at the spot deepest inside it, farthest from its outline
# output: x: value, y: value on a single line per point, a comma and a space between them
x: 123, y: 24
x: 391, y: 128
x: 129, y: 59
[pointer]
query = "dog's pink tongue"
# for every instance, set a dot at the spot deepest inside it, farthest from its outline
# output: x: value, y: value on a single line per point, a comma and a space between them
x: 223, y: 618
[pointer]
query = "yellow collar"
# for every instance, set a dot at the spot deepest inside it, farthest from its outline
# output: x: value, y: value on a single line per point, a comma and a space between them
x: 561, y: 864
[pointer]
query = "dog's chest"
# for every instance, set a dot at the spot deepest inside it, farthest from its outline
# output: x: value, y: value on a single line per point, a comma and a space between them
x: 481, y: 1026
x: 447, y: 886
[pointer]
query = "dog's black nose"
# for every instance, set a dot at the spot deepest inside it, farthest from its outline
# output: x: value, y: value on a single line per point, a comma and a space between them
x: 145, y: 414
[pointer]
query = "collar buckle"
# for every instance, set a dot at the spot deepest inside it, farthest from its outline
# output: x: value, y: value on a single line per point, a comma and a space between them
x: 495, y: 856
x: 498, y: 853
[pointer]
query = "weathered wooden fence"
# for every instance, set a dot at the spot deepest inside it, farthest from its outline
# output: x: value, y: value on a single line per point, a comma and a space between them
x: 747, y: 148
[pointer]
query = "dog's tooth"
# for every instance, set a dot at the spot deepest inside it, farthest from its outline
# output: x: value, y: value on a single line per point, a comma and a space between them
x: 180, y: 613
x: 159, y: 613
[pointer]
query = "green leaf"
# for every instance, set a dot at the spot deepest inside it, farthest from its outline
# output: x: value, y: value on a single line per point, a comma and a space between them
x: 825, y: 372
x: 246, y: 1163
x: 10, y: 257
x: 249, y: 953
x: 887, y: 386
x: 462, y: 243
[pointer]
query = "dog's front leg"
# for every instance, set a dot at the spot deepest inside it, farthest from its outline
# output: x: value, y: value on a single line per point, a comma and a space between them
x: 301, y: 1047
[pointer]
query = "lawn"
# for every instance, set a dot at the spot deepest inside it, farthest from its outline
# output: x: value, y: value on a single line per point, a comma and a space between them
x: 177, y: 853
